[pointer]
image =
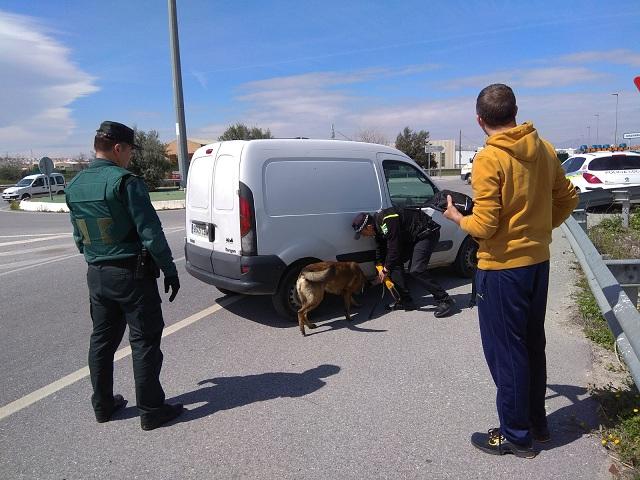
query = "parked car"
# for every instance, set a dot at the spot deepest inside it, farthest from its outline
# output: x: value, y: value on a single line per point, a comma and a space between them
x: 258, y: 211
x: 606, y: 169
x: 465, y: 171
x: 33, y: 185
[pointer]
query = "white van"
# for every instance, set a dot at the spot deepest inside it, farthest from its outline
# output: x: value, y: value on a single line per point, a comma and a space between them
x: 258, y: 211
x: 33, y: 185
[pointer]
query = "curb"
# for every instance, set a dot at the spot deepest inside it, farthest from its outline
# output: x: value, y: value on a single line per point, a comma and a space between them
x: 29, y: 206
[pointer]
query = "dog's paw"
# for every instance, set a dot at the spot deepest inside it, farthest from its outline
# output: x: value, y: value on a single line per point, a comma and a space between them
x: 312, y: 325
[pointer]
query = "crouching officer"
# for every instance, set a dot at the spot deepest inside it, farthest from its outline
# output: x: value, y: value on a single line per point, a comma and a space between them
x: 402, y: 235
x: 118, y: 231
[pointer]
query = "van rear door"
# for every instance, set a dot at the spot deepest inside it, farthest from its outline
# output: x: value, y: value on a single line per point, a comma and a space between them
x: 199, y: 225
x: 226, y: 210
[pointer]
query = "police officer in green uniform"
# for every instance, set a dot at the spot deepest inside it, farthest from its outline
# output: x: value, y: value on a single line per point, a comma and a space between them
x: 118, y: 231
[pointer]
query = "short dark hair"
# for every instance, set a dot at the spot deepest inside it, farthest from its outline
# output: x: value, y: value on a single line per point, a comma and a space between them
x: 496, y: 105
x: 103, y: 144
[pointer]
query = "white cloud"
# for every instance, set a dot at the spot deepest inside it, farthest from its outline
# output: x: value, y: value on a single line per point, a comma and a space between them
x: 619, y: 56
x: 307, y: 105
x: 529, y: 78
x: 39, y: 83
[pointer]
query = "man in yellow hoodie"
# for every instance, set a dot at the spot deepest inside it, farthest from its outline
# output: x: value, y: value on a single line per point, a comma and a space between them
x: 521, y: 195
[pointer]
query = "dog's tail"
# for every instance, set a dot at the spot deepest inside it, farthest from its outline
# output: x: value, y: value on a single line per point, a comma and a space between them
x: 317, y: 276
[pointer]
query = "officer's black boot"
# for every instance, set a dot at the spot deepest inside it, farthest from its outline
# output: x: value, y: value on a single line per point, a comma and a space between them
x: 151, y: 420
x: 444, y: 307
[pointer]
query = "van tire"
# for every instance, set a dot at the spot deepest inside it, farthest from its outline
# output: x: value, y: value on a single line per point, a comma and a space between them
x: 25, y: 196
x: 285, y: 300
x: 466, y: 261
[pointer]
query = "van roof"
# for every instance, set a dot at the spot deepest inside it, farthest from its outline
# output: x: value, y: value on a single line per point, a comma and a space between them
x: 301, y: 144
x: 36, y: 175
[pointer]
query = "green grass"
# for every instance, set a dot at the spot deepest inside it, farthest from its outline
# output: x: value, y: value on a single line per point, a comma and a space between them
x: 155, y: 196
x: 611, y: 238
x: 620, y: 418
x: 620, y: 408
x: 594, y: 325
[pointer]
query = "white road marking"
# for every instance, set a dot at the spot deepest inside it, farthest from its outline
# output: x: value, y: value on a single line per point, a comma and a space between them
x: 70, y: 379
x: 39, y: 264
x: 43, y: 239
x: 35, y: 250
x: 34, y: 235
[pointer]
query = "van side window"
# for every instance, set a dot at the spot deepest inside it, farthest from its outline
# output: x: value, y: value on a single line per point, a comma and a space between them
x: 39, y: 182
x: 60, y: 180
x: 407, y: 185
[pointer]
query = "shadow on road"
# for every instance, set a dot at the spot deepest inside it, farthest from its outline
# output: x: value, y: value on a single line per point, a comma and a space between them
x: 225, y: 393
x: 259, y: 309
x: 571, y: 422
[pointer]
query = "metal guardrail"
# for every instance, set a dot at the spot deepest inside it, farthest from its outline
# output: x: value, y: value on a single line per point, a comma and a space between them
x: 619, y: 311
x: 601, y: 196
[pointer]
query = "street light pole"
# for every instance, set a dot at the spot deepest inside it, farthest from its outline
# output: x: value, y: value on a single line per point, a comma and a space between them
x: 588, y: 134
x: 615, y: 135
x: 597, y: 115
x: 181, y: 144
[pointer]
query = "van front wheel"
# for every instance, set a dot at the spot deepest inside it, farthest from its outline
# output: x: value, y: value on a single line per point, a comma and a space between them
x: 466, y: 261
x: 285, y: 300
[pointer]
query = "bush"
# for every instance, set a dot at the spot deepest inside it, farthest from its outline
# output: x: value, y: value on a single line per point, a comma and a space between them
x: 11, y: 171
x: 151, y: 162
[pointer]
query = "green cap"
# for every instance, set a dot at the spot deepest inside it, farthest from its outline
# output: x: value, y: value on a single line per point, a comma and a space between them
x: 117, y: 132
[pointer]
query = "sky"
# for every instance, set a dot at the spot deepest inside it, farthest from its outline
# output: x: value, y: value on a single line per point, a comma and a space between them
x: 299, y: 67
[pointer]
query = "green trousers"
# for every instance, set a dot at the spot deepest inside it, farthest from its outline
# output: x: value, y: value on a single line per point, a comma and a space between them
x: 118, y: 300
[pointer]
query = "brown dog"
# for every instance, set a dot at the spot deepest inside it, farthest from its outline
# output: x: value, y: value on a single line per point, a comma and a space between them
x: 339, y: 278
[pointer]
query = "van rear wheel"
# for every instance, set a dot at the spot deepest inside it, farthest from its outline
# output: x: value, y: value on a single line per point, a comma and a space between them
x: 285, y: 300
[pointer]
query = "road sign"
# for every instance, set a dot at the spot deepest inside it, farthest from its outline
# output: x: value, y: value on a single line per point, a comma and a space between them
x: 46, y: 167
x: 637, y: 82
x: 631, y: 135
x: 433, y: 148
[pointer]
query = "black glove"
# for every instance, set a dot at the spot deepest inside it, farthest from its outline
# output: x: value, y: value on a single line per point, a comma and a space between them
x: 174, y: 283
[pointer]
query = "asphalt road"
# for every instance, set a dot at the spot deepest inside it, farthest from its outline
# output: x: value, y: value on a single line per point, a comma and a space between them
x: 394, y: 397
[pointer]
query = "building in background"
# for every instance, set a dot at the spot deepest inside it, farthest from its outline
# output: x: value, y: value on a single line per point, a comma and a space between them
x: 192, y: 145
x: 450, y: 157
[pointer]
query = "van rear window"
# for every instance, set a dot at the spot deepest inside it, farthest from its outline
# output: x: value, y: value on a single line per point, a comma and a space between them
x: 320, y: 186
x: 199, y: 191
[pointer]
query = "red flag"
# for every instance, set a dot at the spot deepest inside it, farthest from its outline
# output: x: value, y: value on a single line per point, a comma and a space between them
x: 637, y: 82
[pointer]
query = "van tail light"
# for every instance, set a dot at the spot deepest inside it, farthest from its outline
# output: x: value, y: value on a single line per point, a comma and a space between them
x: 590, y: 178
x: 248, y: 239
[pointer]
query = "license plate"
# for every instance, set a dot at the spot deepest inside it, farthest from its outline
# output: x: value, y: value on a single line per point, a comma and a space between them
x: 200, y: 229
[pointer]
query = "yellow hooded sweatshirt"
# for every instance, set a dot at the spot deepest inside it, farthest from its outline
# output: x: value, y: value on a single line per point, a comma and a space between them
x: 520, y: 194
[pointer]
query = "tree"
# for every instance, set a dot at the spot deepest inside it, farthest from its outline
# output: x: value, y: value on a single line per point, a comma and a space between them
x: 10, y: 170
x: 371, y: 135
x: 240, y: 131
x: 413, y: 143
x: 151, y: 162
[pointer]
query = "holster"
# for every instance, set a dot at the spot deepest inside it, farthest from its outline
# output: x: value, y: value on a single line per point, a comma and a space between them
x: 145, y: 266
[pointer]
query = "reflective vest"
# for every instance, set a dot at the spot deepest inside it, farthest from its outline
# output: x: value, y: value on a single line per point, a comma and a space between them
x: 108, y: 233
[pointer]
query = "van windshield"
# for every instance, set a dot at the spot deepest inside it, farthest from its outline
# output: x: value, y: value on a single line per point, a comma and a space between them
x: 25, y: 182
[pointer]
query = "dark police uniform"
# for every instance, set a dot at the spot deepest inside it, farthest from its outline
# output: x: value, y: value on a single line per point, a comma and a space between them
x: 113, y: 220
x: 409, y: 235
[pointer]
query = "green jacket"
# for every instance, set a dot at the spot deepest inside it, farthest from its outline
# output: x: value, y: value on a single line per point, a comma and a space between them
x: 113, y: 218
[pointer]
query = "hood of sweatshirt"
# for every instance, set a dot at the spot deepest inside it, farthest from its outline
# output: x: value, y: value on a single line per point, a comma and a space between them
x: 520, y: 141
